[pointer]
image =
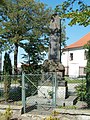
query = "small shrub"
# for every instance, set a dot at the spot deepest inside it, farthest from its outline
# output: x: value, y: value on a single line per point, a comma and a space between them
x: 81, y: 92
x: 2, y: 117
x: 7, y: 83
x: 8, y: 113
x: 55, y: 113
x: 53, y: 116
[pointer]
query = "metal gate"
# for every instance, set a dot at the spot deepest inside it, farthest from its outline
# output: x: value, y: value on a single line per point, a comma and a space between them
x: 39, y: 90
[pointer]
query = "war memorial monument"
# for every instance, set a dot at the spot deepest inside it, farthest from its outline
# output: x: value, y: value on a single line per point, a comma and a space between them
x: 53, y: 63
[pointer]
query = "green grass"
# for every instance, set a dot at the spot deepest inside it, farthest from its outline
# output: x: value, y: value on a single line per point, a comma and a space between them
x: 76, y: 80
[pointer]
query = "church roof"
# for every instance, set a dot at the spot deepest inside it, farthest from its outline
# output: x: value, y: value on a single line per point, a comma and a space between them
x: 80, y: 43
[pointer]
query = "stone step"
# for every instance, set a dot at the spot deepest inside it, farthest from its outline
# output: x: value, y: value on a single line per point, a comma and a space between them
x: 71, y: 100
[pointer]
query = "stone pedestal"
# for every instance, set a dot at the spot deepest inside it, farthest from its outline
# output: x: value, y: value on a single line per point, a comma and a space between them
x: 50, y: 66
x: 60, y: 92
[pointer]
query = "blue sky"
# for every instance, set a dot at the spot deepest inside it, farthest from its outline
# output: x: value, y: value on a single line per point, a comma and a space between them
x: 74, y: 33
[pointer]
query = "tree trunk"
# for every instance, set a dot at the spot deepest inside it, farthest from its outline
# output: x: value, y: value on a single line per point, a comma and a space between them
x: 15, y: 59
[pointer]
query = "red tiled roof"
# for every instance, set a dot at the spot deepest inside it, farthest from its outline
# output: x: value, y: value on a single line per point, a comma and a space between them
x: 80, y: 43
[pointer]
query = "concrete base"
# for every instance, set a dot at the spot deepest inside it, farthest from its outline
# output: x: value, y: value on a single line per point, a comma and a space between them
x: 61, y: 91
x: 33, y: 100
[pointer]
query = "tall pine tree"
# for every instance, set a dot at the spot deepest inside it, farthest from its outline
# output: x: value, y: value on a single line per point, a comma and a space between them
x: 7, y: 71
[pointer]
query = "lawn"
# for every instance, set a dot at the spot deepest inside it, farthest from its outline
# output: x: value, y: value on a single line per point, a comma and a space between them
x: 75, y: 80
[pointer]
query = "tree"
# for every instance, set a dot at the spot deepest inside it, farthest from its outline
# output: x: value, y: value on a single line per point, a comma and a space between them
x: 33, y: 55
x: 7, y: 68
x: 81, y: 16
x: 87, y: 46
x: 7, y: 71
x: 77, y: 15
x: 2, y: 2
x: 22, y: 20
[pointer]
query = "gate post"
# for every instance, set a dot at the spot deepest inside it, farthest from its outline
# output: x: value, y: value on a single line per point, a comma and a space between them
x: 54, y: 88
x: 23, y: 92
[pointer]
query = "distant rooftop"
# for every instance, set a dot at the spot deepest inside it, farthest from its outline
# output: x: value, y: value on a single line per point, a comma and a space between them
x: 80, y: 43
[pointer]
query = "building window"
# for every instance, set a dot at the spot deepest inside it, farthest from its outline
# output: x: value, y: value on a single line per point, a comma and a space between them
x: 82, y: 71
x: 85, y: 54
x: 71, y: 56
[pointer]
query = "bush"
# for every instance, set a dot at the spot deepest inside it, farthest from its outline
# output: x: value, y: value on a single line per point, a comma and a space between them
x: 7, y: 115
x: 16, y: 94
x: 81, y: 92
x: 7, y: 83
x: 53, y: 116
